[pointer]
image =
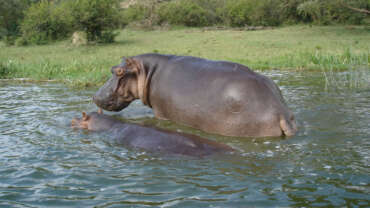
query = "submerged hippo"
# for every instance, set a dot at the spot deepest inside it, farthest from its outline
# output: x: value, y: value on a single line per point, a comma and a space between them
x: 150, y: 139
x: 215, y: 96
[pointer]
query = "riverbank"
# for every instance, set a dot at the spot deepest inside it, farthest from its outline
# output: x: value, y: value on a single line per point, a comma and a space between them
x: 288, y: 48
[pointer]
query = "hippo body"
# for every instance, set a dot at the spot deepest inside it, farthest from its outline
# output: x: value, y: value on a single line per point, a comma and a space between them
x: 149, y: 139
x: 215, y: 96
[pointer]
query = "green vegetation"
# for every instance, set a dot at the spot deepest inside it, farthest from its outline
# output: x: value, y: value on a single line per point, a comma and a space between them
x: 240, y: 13
x: 43, y: 21
x: 187, y: 13
x: 11, y: 14
x: 288, y: 48
x: 39, y: 22
x: 98, y: 18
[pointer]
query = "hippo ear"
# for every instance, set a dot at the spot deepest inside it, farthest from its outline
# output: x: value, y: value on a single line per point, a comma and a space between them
x: 133, y: 66
x: 130, y: 62
x: 119, y: 71
x: 85, y: 117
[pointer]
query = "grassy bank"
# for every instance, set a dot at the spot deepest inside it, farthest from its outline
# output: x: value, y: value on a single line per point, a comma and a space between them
x: 287, y: 48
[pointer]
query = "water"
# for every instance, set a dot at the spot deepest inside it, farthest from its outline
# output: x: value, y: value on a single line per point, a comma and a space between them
x: 44, y: 163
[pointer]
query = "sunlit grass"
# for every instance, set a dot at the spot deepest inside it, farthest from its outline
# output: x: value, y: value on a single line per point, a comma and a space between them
x: 288, y: 48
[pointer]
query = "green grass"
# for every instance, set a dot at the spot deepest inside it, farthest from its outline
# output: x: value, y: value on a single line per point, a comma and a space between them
x: 287, y: 48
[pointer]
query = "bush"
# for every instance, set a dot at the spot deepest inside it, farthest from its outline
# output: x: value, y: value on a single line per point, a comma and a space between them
x: 108, y: 36
x: 237, y: 13
x: 44, y: 22
x: 50, y: 20
x: 96, y: 17
x: 11, y: 14
x: 266, y: 13
x: 313, y: 10
x: 21, y: 41
x: 9, y: 39
x: 333, y: 11
x: 339, y: 13
x: 47, y: 21
x: 185, y: 12
x: 288, y: 11
x: 137, y: 12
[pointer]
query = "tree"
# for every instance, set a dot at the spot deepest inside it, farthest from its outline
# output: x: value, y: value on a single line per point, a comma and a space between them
x: 362, y: 6
x: 11, y: 13
x: 45, y: 21
x: 341, y: 11
x: 98, y: 18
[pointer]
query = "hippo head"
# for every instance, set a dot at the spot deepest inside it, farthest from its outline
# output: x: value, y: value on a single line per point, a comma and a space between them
x: 81, y: 123
x: 125, y: 85
x: 93, y: 121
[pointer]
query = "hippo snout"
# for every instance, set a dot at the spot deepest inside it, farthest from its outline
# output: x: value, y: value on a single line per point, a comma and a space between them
x: 110, y: 104
x: 106, y: 104
x: 96, y: 100
x: 99, y: 102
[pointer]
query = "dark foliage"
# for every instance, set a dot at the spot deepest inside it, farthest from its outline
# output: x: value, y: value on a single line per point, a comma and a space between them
x: 98, y: 18
x: 41, y: 21
x: 45, y: 21
x: 238, y: 13
x: 11, y: 14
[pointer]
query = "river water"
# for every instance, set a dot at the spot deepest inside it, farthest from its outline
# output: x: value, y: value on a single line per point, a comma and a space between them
x: 45, y: 163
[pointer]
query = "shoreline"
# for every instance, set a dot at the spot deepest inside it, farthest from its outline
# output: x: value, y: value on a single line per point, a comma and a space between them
x: 290, y: 48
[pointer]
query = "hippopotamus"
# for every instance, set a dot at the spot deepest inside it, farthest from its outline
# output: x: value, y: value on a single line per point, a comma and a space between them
x: 217, y: 97
x: 148, y: 138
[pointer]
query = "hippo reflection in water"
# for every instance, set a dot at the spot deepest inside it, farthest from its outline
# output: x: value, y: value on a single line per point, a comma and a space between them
x: 150, y: 139
x: 215, y: 96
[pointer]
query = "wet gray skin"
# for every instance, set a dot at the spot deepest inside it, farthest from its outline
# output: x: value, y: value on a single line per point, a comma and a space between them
x: 214, y: 96
x: 149, y: 139
x: 107, y: 96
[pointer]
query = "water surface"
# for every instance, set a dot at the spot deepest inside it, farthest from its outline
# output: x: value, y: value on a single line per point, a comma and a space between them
x: 45, y: 163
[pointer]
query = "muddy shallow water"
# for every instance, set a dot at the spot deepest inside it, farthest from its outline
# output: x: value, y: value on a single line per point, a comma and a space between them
x: 45, y: 163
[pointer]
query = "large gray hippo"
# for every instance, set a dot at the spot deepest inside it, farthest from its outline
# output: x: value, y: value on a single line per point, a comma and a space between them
x: 215, y: 96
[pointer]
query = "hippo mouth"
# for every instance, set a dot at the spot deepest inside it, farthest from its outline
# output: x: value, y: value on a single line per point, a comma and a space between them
x: 111, y: 105
x: 117, y: 108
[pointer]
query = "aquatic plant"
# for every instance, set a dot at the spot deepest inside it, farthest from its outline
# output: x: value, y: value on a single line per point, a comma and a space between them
x: 353, y: 79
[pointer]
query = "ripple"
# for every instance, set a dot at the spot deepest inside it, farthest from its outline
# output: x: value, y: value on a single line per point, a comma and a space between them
x: 43, y: 162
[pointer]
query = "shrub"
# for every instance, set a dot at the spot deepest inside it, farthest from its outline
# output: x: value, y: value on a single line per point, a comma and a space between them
x: 237, y: 12
x: 96, y: 17
x: 288, y: 11
x: 47, y: 21
x: 108, y: 36
x: 187, y: 13
x: 44, y: 22
x: 21, y: 41
x: 333, y: 11
x: 11, y: 14
x: 313, y: 10
x: 339, y: 12
x: 9, y: 40
x: 137, y: 12
x: 266, y: 13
